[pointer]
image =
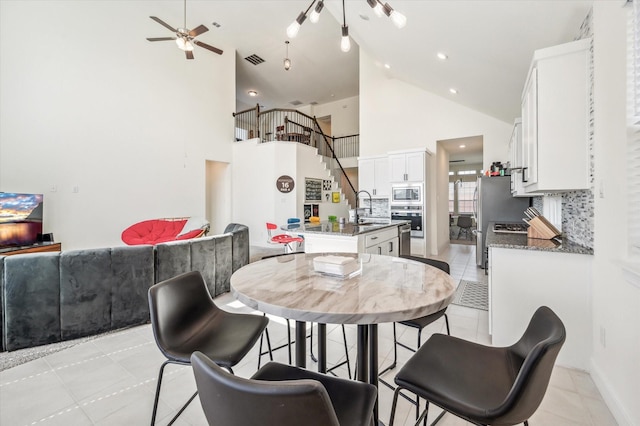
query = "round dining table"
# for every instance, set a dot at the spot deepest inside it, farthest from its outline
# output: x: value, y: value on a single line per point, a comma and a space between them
x: 383, y: 289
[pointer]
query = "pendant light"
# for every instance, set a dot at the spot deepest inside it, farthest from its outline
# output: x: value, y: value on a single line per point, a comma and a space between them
x: 345, y: 42
x: 315, y: 15
x: 379, y: 9
x: 287, y: 61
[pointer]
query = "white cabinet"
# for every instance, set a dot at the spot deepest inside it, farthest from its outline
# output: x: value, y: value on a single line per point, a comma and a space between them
x: 555, y: 119
x: 383, y: 242
x: 373, y: 176
x: 515, y: 159
x: 520, y: 281
x: 407, y: 167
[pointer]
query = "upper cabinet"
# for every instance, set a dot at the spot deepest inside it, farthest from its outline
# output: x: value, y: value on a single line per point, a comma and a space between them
x: 373, y: 176
x: 515, y: 159
x: 555, y: 120
x: 407, y: 167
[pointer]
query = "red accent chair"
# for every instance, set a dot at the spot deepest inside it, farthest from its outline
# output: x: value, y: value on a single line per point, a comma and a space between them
x: 157, y: 231
x: 284, y: 239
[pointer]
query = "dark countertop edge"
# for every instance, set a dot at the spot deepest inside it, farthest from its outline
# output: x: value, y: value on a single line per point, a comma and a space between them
x: 349, y: 226
x: 522, y: 242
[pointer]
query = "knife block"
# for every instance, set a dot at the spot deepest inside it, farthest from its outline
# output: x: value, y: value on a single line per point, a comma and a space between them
x: 541, y: 228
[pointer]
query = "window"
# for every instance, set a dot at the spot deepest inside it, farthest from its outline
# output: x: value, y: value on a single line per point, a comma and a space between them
x: 461, y: 196
x: 466, y: 191
x: 452, y: 196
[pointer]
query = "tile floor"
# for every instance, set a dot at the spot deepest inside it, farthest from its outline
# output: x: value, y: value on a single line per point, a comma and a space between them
x: 111, y: 380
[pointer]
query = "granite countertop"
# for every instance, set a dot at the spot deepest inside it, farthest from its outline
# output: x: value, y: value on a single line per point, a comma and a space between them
x: 334, y: 228
x: 521, y: 241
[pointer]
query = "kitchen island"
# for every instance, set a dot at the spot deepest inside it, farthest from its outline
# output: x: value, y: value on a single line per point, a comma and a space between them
x: 370, y: 237
x: 526, y: 273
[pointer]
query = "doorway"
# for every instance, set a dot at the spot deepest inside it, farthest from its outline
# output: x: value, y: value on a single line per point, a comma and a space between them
x: 458, y: 183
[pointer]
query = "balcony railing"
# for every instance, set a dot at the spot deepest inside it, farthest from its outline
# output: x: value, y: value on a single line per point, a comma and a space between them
x: 294, y: 126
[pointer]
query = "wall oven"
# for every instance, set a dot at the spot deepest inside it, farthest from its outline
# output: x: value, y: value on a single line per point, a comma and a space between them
x: 406, y: 194
x: 411, y: 213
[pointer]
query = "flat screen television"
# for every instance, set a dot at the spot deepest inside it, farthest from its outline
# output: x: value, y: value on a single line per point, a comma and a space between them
x: 20, y: 219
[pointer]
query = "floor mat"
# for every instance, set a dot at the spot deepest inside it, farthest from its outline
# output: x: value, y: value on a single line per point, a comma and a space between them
x: 472, y: 294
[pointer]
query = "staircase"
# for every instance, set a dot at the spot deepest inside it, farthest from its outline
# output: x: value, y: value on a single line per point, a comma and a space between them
x: 294, y: 126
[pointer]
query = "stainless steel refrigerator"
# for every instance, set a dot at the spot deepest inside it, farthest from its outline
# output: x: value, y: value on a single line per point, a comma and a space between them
x: 493, y: 203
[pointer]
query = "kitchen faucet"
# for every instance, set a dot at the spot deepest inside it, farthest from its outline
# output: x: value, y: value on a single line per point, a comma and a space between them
x: 358, y: 199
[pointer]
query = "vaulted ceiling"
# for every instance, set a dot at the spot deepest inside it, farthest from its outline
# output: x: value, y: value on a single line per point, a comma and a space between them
x: 489, y: 44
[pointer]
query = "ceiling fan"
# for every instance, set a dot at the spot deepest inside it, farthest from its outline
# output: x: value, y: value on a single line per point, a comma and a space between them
x: 185, y: 38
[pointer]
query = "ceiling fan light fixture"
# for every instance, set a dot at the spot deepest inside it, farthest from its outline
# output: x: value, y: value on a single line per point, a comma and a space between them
x: 181, y: 43
x: 345, y: 42
x: 188, y: 46
x: 315, y: 14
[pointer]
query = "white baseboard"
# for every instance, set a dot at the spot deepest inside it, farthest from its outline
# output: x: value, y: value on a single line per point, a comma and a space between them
x: 623, y: 418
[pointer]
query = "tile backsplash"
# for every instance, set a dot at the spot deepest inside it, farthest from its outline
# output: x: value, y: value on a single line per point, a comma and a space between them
x: 380, y: 207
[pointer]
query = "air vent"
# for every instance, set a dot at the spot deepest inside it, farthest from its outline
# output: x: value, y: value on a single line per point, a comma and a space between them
x: 295, y: 103
x: 254, y: 59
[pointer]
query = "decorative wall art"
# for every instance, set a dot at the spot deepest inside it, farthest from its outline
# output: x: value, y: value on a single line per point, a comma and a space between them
x: 312, y: 189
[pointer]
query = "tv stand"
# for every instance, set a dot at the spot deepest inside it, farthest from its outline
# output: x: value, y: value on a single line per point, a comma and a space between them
x: 36, y: 248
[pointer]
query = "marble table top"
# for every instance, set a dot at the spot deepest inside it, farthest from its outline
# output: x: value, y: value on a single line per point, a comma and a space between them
x: 386, y: 289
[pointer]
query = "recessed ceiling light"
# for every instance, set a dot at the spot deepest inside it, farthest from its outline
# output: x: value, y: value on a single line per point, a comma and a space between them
x: 463, y: 146
x: 442, y: 56
x: 453, y: 91
x: 387, y: 66
x: 252, y: 93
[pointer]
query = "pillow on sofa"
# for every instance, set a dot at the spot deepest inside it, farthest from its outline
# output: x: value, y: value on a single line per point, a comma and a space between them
x: 194, y: 223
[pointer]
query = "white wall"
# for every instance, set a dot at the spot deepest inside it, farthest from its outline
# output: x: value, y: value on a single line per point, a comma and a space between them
x: 345, y: 115
x: 397, y: 115
x: 255, y: 198
x: 88, y: 102
x: 616, y: 303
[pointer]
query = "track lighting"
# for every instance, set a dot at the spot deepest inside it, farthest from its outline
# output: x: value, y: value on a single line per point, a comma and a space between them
x: 379, y: 9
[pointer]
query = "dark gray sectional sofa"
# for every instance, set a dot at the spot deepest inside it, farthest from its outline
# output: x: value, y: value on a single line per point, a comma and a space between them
x: 52, y: 297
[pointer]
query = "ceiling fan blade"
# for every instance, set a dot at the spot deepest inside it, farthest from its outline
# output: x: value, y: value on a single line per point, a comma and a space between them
x: 164, y: 24
x: 189, y: 54
x: 160, y: 38
x: 198, y: 30
x: 208, y: 47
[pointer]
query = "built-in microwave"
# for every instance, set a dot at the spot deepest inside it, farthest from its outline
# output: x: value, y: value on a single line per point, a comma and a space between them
x: 406, y: 194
